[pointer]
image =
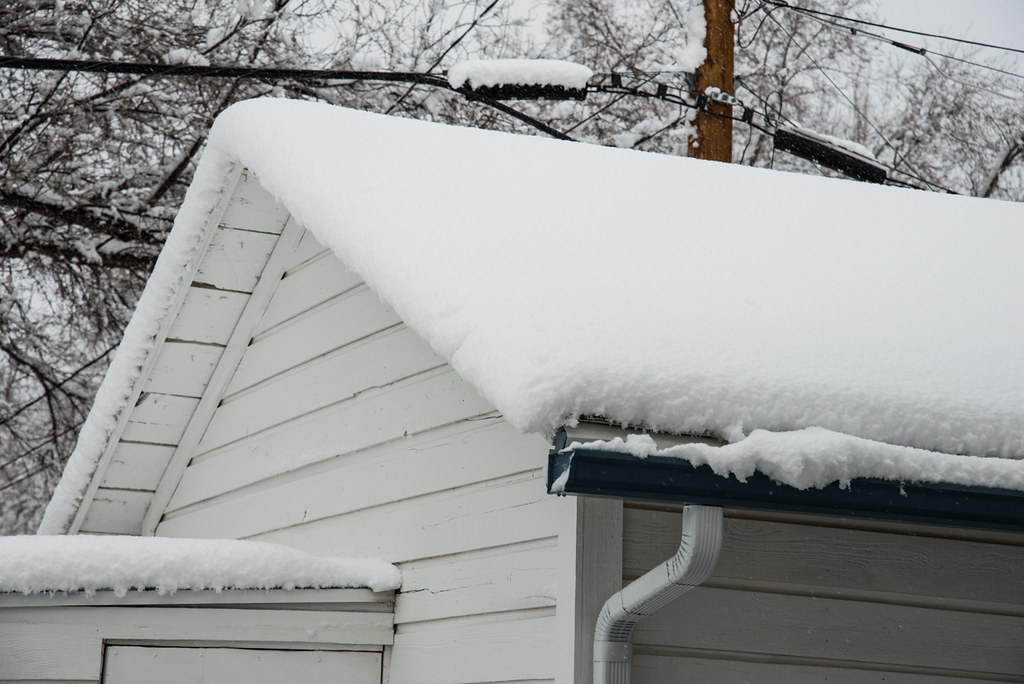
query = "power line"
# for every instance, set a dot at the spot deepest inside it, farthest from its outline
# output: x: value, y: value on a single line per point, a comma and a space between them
x: 675, y: 95
x: 894, y: 43
x: 204, y: 71
x: 804, y: 10
x: 899, y: 157
x: 303, y: 75
x: 445, y: 53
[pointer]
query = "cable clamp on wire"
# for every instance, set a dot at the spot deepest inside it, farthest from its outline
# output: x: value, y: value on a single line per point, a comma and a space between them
x: 717, y: 95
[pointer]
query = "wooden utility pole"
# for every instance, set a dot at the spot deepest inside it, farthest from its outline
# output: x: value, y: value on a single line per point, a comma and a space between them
x: 714, y: 134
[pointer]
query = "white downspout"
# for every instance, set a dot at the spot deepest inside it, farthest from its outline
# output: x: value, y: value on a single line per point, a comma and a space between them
x: 698, y: 552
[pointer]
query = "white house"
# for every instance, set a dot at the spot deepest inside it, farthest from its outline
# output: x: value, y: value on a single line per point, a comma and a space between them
x: 365, y: 333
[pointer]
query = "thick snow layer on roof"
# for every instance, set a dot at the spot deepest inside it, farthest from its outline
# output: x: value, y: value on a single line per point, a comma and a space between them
x: 86, y: 563
x: 564, y: 279
x: 492, y: 72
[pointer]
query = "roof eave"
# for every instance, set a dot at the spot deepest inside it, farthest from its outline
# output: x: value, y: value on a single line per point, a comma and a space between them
x: 592, y: 472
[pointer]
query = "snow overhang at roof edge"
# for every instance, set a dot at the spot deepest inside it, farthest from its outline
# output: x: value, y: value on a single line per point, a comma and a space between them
x: 468, y: 347
x: 602, y: 472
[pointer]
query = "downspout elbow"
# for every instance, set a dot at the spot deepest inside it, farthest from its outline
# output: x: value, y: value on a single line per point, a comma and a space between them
x: 693, y: 563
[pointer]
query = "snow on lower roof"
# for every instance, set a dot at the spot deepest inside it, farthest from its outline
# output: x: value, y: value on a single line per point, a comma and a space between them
x: 564, y: 279
x: 491, y: 72
x: 31, y: 565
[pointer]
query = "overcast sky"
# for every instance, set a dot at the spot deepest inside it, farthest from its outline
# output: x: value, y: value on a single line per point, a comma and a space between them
x: 991, y: 21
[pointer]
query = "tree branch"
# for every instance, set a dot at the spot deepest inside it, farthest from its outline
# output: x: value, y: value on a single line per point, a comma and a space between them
x: 108, y: 226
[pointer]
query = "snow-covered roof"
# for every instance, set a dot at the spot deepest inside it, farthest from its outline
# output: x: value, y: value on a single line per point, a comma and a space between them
x: 564, y: 279
x: 84, y: 563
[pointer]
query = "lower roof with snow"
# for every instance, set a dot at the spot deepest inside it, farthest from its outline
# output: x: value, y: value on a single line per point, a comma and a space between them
x: 85, y: 563
x: 565, y: 280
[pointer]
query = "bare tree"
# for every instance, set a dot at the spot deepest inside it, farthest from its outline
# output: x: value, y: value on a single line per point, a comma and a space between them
x: 95, y: 165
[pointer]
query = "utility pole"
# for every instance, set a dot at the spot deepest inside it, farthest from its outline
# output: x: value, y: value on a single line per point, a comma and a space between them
x: 714, y: 134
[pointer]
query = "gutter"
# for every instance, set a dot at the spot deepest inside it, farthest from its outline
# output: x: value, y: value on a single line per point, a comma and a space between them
x: 699, y: 546
x: 592, y: 472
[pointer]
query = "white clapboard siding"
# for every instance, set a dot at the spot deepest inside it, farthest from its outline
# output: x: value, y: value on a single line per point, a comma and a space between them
x: 235, y: 259
x: 404, y: 410
x: 840, y: 561
x: 136, y: 465
x: 504, y: 647
x: 811, y: 593
x: 116, y: 511
x: 312, y: 283
x: 306, y: 250
x: 159, y: 418
x: 660, y: 668
x: 389, y: 358
x: 191, y: 348
x: 337, y: 322
x: 163, y: 665
x: 390, y: 473
x: 208, y: 315
x: 65, y: 643
x: 184, y: 369
x: 516, y: 577
x: 485, y: 515
x: 856, y: 631
x: 383, y: 360
x: 27, y: 652
x: 253, y: 208
x: 342, y: 433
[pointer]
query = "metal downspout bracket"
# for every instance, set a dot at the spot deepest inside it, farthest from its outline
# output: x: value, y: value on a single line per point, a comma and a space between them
x: 693, y: 563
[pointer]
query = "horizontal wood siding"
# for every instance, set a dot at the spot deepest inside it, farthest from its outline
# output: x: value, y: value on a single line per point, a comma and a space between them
x: 817, y: 600
x: 342, y: 433
x: 227, y: 273
x: 65, y: 643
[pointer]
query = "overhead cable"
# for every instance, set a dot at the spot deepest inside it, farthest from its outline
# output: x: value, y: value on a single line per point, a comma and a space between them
x: 894, y: 43
x: 265, y: 73
x: 917, y: 175
x: 805, y: 10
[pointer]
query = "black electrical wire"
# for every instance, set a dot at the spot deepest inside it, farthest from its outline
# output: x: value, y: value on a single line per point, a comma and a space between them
x: 785, y: 5
x: 445, y: 53
x: 896, y: 152
x: 662, y: 94
x: 916, y: 49
x: 204, y: 71
x: 648, y: 79
x: 265, y: 73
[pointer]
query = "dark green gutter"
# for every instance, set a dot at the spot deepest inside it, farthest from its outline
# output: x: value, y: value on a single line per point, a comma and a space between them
x: 593, y: 472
